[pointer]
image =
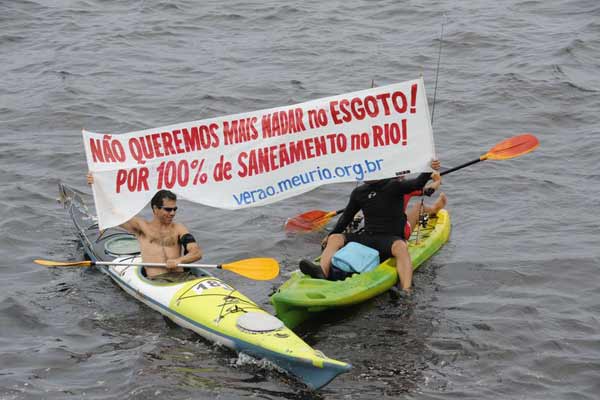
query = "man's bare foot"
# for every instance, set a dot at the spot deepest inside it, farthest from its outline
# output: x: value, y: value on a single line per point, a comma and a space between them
x: 441, y: 201
x: 438, y: 205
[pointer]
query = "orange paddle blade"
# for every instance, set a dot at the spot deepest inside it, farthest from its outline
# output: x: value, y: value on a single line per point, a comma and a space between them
x: 50, y: 263
x: 309, y: 221
x: 512, y: 147
x: 260, y: 269
x: 297, y: 225
x: 312, y: 215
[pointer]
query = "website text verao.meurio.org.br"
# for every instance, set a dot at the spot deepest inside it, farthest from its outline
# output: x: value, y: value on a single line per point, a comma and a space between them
x: 357, y: 171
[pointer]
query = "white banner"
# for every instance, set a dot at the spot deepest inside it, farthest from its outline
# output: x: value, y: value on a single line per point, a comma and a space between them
x: 260, y: 157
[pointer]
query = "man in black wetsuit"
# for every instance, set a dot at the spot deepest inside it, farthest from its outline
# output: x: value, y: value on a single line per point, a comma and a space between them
x: 383, y: 203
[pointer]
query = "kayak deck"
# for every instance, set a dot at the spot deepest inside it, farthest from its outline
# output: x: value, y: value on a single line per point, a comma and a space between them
x: 301, y: 295
x: 218, y: 312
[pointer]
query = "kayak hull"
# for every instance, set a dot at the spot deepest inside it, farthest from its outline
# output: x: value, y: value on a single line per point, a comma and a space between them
x: 301, y: 296
x: 206, y: 305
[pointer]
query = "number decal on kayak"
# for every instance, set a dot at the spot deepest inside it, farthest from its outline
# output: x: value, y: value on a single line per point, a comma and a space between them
x: 210, y: 284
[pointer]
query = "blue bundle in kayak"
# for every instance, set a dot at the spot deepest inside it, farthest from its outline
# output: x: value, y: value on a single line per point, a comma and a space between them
x: 355, y: 257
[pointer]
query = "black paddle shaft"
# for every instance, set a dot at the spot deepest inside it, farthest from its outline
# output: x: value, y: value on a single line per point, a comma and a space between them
x: 460, y: 166
x: 441, y: 173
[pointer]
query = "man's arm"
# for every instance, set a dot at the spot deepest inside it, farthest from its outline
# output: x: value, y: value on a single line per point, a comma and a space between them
x: 134, y: 225
x: 435, y: 185
x: 348, y: 215
x: 418, y: 183
x: 193, y: 252
x: 436, y: 177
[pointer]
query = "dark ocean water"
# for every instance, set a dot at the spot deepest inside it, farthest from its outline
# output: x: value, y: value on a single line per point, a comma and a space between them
x: 508, y: 309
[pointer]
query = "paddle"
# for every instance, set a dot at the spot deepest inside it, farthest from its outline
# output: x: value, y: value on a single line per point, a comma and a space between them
x: 310, y: 220
x: 509, y: 148
x: 260, y: 269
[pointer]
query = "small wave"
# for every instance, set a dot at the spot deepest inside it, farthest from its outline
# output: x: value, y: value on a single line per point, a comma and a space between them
x: 17, y: 317
x: 263, y: 363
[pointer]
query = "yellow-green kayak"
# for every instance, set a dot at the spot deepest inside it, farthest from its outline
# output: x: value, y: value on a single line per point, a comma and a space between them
x: 206, y: 305
x: 301, y: 296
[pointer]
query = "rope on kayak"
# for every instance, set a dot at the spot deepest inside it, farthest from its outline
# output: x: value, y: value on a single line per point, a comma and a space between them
x: 228, y: 296
x: 235, y: 308
x: 130, y: 258
x: 227, y: 300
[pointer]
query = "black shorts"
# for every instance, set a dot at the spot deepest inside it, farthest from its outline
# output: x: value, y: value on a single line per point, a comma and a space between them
x: 380, y: 242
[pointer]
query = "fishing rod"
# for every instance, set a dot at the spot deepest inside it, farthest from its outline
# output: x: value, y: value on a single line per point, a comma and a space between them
x: 437, y: 71
x: 423, y: 217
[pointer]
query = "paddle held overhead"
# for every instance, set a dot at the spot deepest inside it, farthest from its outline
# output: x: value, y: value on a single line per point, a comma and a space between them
x: 515, y: 146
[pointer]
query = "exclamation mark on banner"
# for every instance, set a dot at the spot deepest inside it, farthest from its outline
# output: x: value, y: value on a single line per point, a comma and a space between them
x: 403, y: 132
x: 413, y: 99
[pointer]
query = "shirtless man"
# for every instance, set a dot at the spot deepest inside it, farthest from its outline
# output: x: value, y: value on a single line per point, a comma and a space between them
x: 162, y: 240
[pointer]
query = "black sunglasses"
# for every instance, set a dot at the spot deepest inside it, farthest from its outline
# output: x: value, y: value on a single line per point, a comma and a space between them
x: 169, y: 209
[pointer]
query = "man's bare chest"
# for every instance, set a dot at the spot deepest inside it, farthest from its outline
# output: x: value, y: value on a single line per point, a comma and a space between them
x: 163, y: 239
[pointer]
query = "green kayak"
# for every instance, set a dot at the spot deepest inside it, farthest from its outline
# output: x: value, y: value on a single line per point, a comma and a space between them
x: 301, y: 296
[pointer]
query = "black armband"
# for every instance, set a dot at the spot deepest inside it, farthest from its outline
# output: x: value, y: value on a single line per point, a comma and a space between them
x: 186, y: 239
